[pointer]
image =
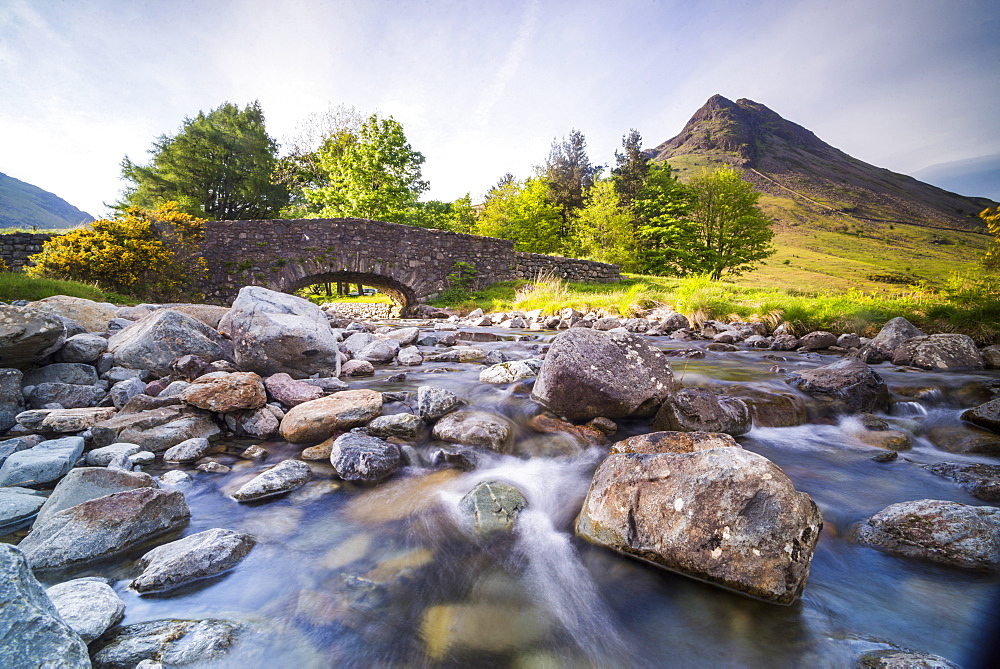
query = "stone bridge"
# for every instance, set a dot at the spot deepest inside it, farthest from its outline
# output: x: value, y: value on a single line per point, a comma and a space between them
x: 407, y: 263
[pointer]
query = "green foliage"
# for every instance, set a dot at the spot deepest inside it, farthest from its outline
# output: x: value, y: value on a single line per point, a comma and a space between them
x: 19, y: 286
x: 522, y: 212
x: 631, y: 169
x: 568, y: 176
x: 604, y: 228
x: 457, y: 216
x: 374, y: 174
x: 667, y: 238
x: 143, y: 253
x: 731, y: 232
x: 991, y: 259
x: 219, y: 166
x: 462, y: 275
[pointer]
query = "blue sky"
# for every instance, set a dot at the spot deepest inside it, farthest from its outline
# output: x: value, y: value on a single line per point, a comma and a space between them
x: 482, y: 88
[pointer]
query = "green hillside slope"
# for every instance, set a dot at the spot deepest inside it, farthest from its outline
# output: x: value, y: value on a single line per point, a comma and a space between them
x: 25, y: 206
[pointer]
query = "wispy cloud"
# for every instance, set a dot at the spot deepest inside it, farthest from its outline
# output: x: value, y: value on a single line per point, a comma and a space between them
x: 511, y: 62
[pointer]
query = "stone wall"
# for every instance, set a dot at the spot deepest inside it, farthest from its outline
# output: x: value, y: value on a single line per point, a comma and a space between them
x: 17, y: 246
x: 532, y: 265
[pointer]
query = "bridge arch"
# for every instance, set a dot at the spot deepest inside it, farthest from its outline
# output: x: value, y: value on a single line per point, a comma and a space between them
x: 403, y: 296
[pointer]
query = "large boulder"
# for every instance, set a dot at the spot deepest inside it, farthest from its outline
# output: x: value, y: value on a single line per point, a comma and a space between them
x: 985, y: 415
x: 847, y: 386
x: 275, y: 332
x: 94, y: 316
x: 88, y: 605
x: 66, y: 395
x: 111, y: 430
x: 699, y: 410
x: 939, y: 352
x: 938, y: 531
x: 103, y: 527
x: 725, y: 516
x: 75, y: 373
x: 892, y: 334
x: 194, y: 557
x: 674, y: 442
x: 318, y: 419
x: 82, y: 348
x: 48, y: 461
x: 359, y: 457
x: 587, y: 374
x: 475, y: 428
x: 223, y: 392
x: 32, y: 633
x: 86, y: 483
x: 155, y: 341
x: 11, y: 399
x: 28, y: 335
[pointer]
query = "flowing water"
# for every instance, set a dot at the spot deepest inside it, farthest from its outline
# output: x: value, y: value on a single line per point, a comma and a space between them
x: 360, y: 576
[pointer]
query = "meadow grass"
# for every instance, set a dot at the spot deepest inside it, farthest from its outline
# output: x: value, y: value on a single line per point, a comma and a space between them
x: 18, y: 286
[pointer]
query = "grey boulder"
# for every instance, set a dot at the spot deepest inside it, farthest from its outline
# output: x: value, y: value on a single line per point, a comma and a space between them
x: 48, y: 461
x: 402, y: 425
x: 155, y: 341
x: 169, y: 643
x: 432, y: 402
x: 75, y: 373
x: 82, y: 348
x: 892, y: 334
x: 103, y: 527
x: 27, y: 335
x: 360, y: 457
x: 32, y: 633
x: 88, y: 605
x: 188, y: 450
x: 11, y: 398
x: 939, y: 352
x: 283, y: 477
x: 194, y: 557
x: 492, y: 506
x: 587, y: 374
x: 86, y: 483
x: 67, y: 395
x: 847, y: 386
x: 475, y: 428
x: 698, y: 410
x: 18, y: 507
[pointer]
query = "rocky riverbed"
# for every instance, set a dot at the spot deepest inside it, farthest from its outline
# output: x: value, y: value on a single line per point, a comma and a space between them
x: 278, y: 484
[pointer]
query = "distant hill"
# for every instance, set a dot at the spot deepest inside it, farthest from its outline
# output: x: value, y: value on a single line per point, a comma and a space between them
x: 24, y: 206
x: 839, y: 222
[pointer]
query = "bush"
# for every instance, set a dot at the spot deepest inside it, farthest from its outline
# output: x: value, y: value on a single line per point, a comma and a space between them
x: 143, y: 253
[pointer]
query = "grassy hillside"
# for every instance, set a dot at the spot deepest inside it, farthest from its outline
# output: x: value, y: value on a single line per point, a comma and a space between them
x: 25, y: 206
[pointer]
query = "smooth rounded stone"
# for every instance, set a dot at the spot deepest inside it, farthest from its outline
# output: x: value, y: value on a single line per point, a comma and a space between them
x: 433, y: 402
x: 291, y: 392
x: 194, y: 557
x: 223, y: 392
x: 283, y: 477
x: 27, y: 335
x: 123, y: 391
x: 66, y: 395
x: 847, y: 386
x: 961, y: 439
x: 82, y: 348
x: 939, y: 352
x: 48, y: 461
x: 588, y: 374
x: 18, y: 507
x: 32, y: 633
x: 985, y: 415
x: 169, y: 642
x: 76, y: 373
x: 157, y: 340
x: 318, y: 419
x: 188, y: 450
x: 88, y: 605
x: 980, y: 480
x: 380, y: 351
x: 401, y: 425
x: 410, y: 356
x: 142, y: 458
x: 94, y: 316
x: 892, y: 658
x: 699, y: 410
x: 176, y: 478
x: 86, y: 483
x: 893, y: 440
x: 405, y: 336
x: 275, y: 332
x: 474, y: 428
x: 492, y: 506
x: 100, y: 457
x: 320, y: 451
x: 938, y: 531
x: 725, y: 516
x: 991, y: 356
x: 254, y: 423
x: 674, y: 442
x: 359, y: 457
x: 103, y: 527
x: 507, y: 372
x: 11, y: 398
x: 817, y: 341
x: 357, y: 368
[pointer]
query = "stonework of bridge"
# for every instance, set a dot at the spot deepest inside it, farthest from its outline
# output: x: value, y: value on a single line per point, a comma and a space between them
x: 407, y: 263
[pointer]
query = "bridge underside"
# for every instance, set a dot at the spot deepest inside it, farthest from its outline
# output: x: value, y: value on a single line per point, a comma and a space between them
x: 403, y: 296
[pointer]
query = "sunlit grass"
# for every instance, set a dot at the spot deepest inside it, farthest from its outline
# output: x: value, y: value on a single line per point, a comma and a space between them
x: 18, y: 286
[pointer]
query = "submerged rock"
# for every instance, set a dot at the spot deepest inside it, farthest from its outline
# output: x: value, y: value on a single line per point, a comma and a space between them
x: 892, y: 658
x: 103, y: 527
x: 587, y: 374
x: 938, y: 531
x: 725, y: 516
x: 848, y: 385
x: 981, y: 480
x: 88, y: 605
x: 32, y: 633
x: 169, y: 642
x: 492, y: 506
x: 985, y: 415
x: 699, y: 410
x: 283, y: 477
x: 194, y: 557
x: 507, y: 372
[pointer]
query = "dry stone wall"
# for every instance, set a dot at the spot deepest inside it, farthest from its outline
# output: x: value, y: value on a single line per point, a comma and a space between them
x: 17, y: 246
x: 533, y: 265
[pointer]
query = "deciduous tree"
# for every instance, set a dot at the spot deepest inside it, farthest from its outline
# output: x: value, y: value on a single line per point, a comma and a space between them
x: 522, y: 212
x: 604, y: 228
x: 991, y: 260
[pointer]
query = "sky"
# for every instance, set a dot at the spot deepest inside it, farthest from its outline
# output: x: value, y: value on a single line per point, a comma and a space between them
x: 483, y: 88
